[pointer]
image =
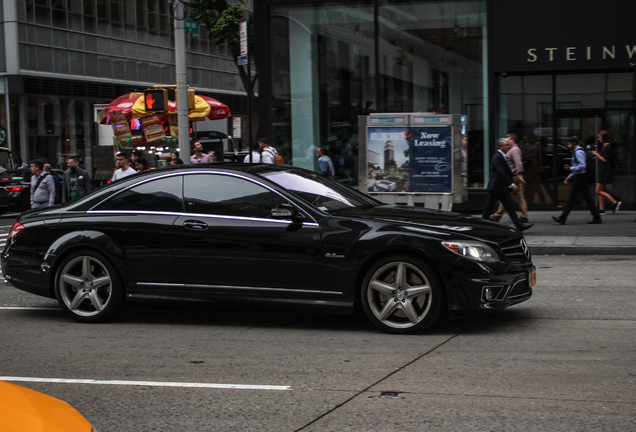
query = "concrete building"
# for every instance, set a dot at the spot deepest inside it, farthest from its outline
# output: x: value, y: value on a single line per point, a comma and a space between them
x: 60, y: 58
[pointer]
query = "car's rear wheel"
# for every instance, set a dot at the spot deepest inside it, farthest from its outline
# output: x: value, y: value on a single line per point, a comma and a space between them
x: 88, y: 287
x: 401, y: 294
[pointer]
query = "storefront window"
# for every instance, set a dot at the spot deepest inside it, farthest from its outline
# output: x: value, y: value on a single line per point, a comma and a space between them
x: 585, y: 104
x: 525, y: 108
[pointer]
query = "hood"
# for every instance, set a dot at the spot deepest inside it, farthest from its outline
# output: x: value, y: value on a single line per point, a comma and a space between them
x: 26, y: 410
x: 439, y: 222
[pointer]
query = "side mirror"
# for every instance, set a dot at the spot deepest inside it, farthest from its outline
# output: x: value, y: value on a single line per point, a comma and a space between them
x: 287, y: 211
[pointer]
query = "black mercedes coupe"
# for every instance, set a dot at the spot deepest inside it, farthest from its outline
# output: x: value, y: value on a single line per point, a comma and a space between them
x: 264, y: 233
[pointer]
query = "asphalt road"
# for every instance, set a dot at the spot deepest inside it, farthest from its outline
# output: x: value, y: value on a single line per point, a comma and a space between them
x: 563, y: 361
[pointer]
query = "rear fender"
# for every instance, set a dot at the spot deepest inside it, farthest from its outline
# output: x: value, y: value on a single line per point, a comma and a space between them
x: 86, y: 240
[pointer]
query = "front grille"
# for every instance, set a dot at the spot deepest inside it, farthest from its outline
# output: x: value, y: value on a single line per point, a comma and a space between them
x: 516, y: 249
x: 521, y: 288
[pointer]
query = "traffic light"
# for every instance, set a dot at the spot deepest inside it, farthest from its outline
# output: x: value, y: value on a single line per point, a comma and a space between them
x: 156, y: 100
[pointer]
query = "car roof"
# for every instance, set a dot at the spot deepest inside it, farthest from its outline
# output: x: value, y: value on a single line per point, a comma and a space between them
x: 220, y: 166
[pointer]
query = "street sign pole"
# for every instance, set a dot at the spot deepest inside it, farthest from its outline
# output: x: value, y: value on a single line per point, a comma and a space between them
x: 245, y: 52
x: 182, y: 87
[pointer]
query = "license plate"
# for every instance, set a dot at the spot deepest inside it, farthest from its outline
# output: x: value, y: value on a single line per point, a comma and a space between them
x: 532, y: 278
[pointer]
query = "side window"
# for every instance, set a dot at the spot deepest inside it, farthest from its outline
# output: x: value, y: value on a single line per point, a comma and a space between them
x: 162, y: 195
x: 229, y: 196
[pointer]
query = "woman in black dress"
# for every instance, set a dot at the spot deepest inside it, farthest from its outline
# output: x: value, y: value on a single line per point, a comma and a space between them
x: 606, y: 160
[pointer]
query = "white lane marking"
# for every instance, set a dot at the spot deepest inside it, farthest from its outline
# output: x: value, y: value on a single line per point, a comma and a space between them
x: 26, y: 308
x: 146, y: 383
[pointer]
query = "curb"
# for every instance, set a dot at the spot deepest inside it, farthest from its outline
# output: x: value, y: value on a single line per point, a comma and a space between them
x: 582, y: 250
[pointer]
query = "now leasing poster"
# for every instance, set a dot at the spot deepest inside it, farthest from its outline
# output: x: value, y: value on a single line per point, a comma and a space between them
x: 431, y: 151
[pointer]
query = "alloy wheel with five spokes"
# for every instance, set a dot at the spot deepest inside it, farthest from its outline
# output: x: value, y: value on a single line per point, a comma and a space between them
x: 87, y: 287
x: 401, y: 294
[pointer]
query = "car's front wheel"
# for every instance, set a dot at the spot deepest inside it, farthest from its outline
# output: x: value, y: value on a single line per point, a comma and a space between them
x: 88, y: 287
x: 401, y: 294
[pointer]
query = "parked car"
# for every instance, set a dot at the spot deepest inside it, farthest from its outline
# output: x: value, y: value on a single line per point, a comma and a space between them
x: 6, y: 159
x: 23, y: 409
x: 15, y: 189
x: 264, y: 233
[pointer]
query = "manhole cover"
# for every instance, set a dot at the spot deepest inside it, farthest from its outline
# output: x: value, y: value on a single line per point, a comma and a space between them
x: 390, y: 394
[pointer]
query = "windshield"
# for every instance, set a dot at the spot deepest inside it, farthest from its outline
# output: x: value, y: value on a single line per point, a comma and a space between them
x: 322, y: 193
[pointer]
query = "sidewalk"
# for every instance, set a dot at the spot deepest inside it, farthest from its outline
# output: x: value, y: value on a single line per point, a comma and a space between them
x: 615, y: 236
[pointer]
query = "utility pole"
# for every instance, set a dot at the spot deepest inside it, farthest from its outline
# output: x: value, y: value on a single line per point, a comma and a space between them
x: 249, y: 86
x: 182, y: 86
x: 244, y: 59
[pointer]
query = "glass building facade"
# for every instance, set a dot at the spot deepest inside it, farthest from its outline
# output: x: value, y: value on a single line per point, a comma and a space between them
x: 334, y: 61
x: 324, y: 63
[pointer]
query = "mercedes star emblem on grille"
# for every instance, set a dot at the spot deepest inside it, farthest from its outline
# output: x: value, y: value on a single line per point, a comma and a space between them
x: 524, y: 248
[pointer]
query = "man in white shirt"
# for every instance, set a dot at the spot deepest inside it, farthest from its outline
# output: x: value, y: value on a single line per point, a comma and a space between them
x: 256, y: 156
x: 123, y: 170
x: 268, y: 153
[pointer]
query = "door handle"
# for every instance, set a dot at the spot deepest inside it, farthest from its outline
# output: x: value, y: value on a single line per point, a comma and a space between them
x: 195, y: 225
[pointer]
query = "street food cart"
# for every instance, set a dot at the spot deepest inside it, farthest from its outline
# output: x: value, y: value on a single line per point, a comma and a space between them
x: 133, y: 126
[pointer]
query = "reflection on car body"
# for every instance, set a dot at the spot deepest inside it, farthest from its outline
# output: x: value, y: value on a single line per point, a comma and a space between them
x: 265, y: 233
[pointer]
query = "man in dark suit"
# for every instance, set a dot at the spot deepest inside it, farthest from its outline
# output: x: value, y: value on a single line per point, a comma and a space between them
x: 77, y: 182
x: 501, y: 184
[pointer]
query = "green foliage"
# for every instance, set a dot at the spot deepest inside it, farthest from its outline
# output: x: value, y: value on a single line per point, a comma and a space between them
x: 227, y: 27
x: 206, y: 11
x: 221, y: 19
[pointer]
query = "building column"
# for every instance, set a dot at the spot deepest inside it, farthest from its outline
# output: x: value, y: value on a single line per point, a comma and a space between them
x: 11, y: 44
x: 303, y: 68
x: 88, y: 140
x: 24, y: 129
x: 12, y: 58
x: 72, y: 131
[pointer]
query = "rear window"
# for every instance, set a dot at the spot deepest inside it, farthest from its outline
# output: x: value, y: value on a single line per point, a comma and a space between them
x: 13, y: 176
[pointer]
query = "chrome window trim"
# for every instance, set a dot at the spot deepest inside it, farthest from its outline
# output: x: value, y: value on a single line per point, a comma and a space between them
x: 135, y: 212
x: 183, y: 174
x: 200, y: 215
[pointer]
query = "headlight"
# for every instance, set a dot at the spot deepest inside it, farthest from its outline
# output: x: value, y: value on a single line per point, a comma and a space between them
x: 474, y: 250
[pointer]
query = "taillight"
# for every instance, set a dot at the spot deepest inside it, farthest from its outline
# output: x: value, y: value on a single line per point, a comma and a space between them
x: 16, y: 188
x: 16, y: 229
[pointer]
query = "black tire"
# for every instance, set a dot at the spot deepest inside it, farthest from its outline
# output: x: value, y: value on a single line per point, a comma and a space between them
x: 405, y: 304
x: 88, y: 287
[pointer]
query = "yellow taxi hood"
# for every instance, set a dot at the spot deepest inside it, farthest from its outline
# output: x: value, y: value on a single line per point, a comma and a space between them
x: 26, y: 410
